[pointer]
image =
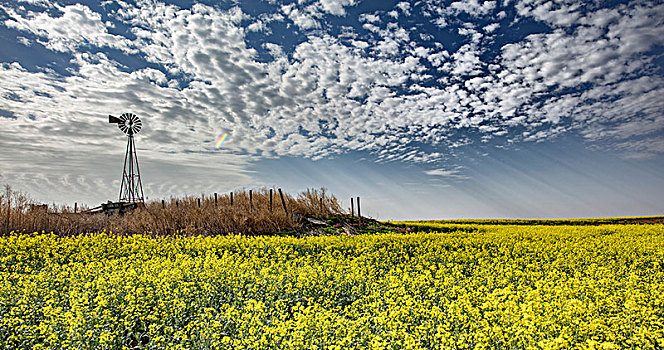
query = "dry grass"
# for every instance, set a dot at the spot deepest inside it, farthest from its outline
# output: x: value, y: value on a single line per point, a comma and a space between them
x: 177, y: 216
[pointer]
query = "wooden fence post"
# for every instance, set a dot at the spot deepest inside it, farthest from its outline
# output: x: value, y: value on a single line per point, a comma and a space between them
x: 251, y: 204
x: 199, y: 202
x: 358, y: 208
x: 231, y: 199
x: 270, y: 200
x: 352, y: 210
x: 283, y: 202
x: 75, y: 207
x: 20, y: 217
x: 163, y: 204
x: 176, y: 204
x: 9, y: 209
x: 215, y: 199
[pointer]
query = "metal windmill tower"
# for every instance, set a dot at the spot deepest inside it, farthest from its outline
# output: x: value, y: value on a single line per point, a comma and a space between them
x: 131, y: 190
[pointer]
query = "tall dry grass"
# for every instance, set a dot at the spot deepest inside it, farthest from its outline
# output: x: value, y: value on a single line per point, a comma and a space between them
x: 176, y: 215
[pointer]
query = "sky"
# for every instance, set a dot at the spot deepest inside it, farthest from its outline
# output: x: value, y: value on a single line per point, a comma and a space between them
x: 425, y: 109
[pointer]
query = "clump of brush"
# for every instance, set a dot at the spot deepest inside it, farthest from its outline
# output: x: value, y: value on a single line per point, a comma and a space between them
x: 252, y: 212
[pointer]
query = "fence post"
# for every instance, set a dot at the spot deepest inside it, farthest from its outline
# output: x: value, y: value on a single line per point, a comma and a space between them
x: 358, y: 208
x: 215, y: 199
x: 251, y: 204
x: 163, y: 205
x: 231, y: 199
x: 199, y: 202
x: 283, y: 202
x: 75, y: 207
x: 176, y: 204
x: 9, y: 209
x: 270, y: 200
x: 352, y: 210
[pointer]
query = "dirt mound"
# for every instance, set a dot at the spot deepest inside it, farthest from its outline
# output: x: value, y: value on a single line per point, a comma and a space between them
x: 346, y: 225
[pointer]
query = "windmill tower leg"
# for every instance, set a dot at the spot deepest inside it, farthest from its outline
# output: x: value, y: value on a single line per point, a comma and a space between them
x: 138, y: 185
x: 131, y: 189
x: 125, y: 183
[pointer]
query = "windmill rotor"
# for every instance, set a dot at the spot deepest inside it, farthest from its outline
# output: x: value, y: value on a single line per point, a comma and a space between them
x: 129, y: 123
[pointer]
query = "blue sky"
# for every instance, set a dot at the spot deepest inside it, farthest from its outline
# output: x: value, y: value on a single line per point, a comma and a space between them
x: 425, y: 109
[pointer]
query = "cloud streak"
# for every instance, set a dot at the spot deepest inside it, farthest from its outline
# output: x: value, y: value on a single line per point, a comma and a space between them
x: 447, y: 173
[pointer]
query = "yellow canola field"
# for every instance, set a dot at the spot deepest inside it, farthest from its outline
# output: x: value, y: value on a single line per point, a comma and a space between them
x: 466, y: 287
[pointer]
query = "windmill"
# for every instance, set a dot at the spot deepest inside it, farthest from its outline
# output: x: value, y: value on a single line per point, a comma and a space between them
x: 131, y: 189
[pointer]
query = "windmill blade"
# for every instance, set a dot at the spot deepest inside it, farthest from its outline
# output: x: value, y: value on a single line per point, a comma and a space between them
x: 135, y: 124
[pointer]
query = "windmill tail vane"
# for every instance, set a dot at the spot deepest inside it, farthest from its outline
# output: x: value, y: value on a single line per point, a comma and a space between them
x: 131, y: 189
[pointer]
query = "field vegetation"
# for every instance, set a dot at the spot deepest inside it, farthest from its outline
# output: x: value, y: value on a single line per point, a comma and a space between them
x: 655, y: 219
x: 189, y: 215
x: 463, y: 287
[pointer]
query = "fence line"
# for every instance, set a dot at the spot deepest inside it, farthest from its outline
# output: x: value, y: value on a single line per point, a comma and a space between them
x: 193, y: 214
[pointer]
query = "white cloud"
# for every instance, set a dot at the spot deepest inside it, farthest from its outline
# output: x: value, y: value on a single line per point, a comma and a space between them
x: 466, y: 61
x: 258, y: 26
x: 78, y: 26
x: 538, y: 83
x: 372, y: 18
x: 440, y: 22
x: 490, y: 28
x: 304, y: 19
x: 43, y: 3
x: 25, y: 41
x: 445, y: 13
x: 438, y: 59
x: 473, y: 7
x: 454, y: 173
x: 404, y: 7
x: 560, y: 14
x: 370, y: 27
x: 393, y: 39
x: 605, y: 56
x: 642, y: 149
x: 336, y: 7
x: 151, y: 75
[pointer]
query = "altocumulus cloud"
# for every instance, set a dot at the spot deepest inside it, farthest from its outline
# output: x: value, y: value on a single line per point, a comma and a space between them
x: 317, y: 79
